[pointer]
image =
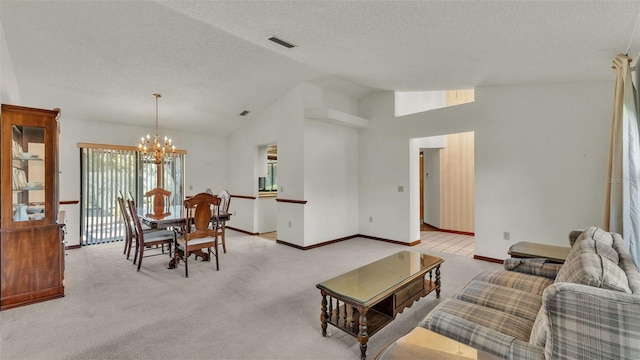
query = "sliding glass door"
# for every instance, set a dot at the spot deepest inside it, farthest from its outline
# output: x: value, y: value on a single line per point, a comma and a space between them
x: 111, y: 171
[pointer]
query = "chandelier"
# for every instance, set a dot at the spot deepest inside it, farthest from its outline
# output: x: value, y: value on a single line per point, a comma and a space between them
x: 156, y: 150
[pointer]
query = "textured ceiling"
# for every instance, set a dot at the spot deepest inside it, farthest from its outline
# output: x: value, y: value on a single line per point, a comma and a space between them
x: 211, y: 60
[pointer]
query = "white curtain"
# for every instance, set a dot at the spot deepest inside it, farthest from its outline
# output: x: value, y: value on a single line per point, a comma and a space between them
x: 621, y: 213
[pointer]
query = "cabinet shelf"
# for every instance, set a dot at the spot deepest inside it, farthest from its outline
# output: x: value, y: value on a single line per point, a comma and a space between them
x: 30, y: 189
x: 28, y: 159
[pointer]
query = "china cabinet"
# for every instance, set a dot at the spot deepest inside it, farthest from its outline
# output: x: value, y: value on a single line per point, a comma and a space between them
x: 31, y: 247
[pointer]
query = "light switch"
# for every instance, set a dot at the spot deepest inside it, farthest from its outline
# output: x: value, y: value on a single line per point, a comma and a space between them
x: 400, y: 188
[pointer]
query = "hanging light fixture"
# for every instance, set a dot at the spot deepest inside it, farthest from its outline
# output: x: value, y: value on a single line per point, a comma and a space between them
x: 156, y: 151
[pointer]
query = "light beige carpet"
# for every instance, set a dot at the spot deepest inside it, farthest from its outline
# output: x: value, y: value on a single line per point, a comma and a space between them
x: 262, y: 304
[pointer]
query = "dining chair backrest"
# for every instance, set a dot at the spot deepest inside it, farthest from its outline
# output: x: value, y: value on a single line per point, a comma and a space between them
x: 137, y: 226
x: 200, y: 209
x: 225, y: 201
x: 158, y: 200
x: 154, y: 238
x: 128, y: 229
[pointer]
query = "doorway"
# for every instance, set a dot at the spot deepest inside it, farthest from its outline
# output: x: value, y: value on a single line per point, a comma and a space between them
x: 267, y: 171
x: 445, y: 182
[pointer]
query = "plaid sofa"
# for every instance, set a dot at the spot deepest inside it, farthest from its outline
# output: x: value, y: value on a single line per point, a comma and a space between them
x: 586, y: 308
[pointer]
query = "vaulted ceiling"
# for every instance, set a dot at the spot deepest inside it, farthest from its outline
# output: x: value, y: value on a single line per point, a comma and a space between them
x: 210, y: 60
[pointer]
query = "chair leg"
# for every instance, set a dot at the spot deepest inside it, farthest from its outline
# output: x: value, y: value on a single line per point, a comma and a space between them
x: 135, y: 254
x: 140, y: 257
x: 129, y: 249
x: 186, y: 263
x: 224, y: 244
x: 215, y: 246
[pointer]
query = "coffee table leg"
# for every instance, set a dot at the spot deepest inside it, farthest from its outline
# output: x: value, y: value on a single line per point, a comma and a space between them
x: 323, y: 313
x: 363, y: 336
x: 438, y: 281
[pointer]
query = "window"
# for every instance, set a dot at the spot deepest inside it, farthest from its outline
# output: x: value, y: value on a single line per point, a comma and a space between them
x: 268, y: 170
x: 412, y: 102
x: 272, y: 175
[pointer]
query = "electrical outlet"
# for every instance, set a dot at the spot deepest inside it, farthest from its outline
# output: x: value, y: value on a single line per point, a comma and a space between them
x: 400, y: 188
x: 506, y: 235
x: 370, y: 219
x: 190, y: 187
x: 289, y: 223
x: 234, y: 213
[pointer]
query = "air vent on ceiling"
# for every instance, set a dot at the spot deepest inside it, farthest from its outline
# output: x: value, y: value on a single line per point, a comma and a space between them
x: 244, y: 113
x: 281, y: 42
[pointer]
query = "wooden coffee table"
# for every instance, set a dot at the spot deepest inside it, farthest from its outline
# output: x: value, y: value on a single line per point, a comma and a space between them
x: 523, y: 249
x: 364, y: 300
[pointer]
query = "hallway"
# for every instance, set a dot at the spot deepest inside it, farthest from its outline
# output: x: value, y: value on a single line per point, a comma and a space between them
x: 447, y: 242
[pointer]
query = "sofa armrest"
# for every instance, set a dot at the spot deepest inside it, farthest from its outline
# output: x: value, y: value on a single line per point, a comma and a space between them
x: 533, y: 266
x: 480, y: 337
x: 585, y: 322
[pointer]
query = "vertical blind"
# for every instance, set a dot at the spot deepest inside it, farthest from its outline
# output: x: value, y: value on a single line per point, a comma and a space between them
x: 109, y: 172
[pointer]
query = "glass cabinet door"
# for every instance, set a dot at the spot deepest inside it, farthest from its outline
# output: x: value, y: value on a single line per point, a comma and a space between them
x: 28, y: 173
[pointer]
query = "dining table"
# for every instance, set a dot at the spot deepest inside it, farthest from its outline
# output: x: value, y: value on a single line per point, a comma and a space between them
x: 175, y: 216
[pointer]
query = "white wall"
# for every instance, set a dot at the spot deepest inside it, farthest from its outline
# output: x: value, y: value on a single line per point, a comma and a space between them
x: 9, y: 90
x: 268, y: 215
x: 282, y: 124
x: 540, y: 153
x: 317, y: 162
x: 331, y: 182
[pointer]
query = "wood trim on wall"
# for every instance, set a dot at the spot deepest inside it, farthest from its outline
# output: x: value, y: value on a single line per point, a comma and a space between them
x: 244, y: 197
x: 484, y: 258
x: 315, y: 245
x: 458, y: 232
x: 451, y: 231
x: 117, y: 147
x: 69, y: 202
x: 292, y: 201
x: 413, y: 243
x: 242, y: 231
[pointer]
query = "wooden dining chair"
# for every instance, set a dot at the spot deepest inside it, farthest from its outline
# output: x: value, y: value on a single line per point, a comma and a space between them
x: 225, y: 201
x: 200, y: 232
x: 128, y: 229
x: 158, y: 201
x: 148, y: 239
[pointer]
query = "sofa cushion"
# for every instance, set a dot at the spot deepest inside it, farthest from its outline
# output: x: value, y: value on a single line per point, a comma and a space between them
x: 594, y: 270
x: 529, y: 283
x: 496, y: 320
x: 596, y: 241
x: 592, y: 246
x: 595, y: 233
x: 511, y: 301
